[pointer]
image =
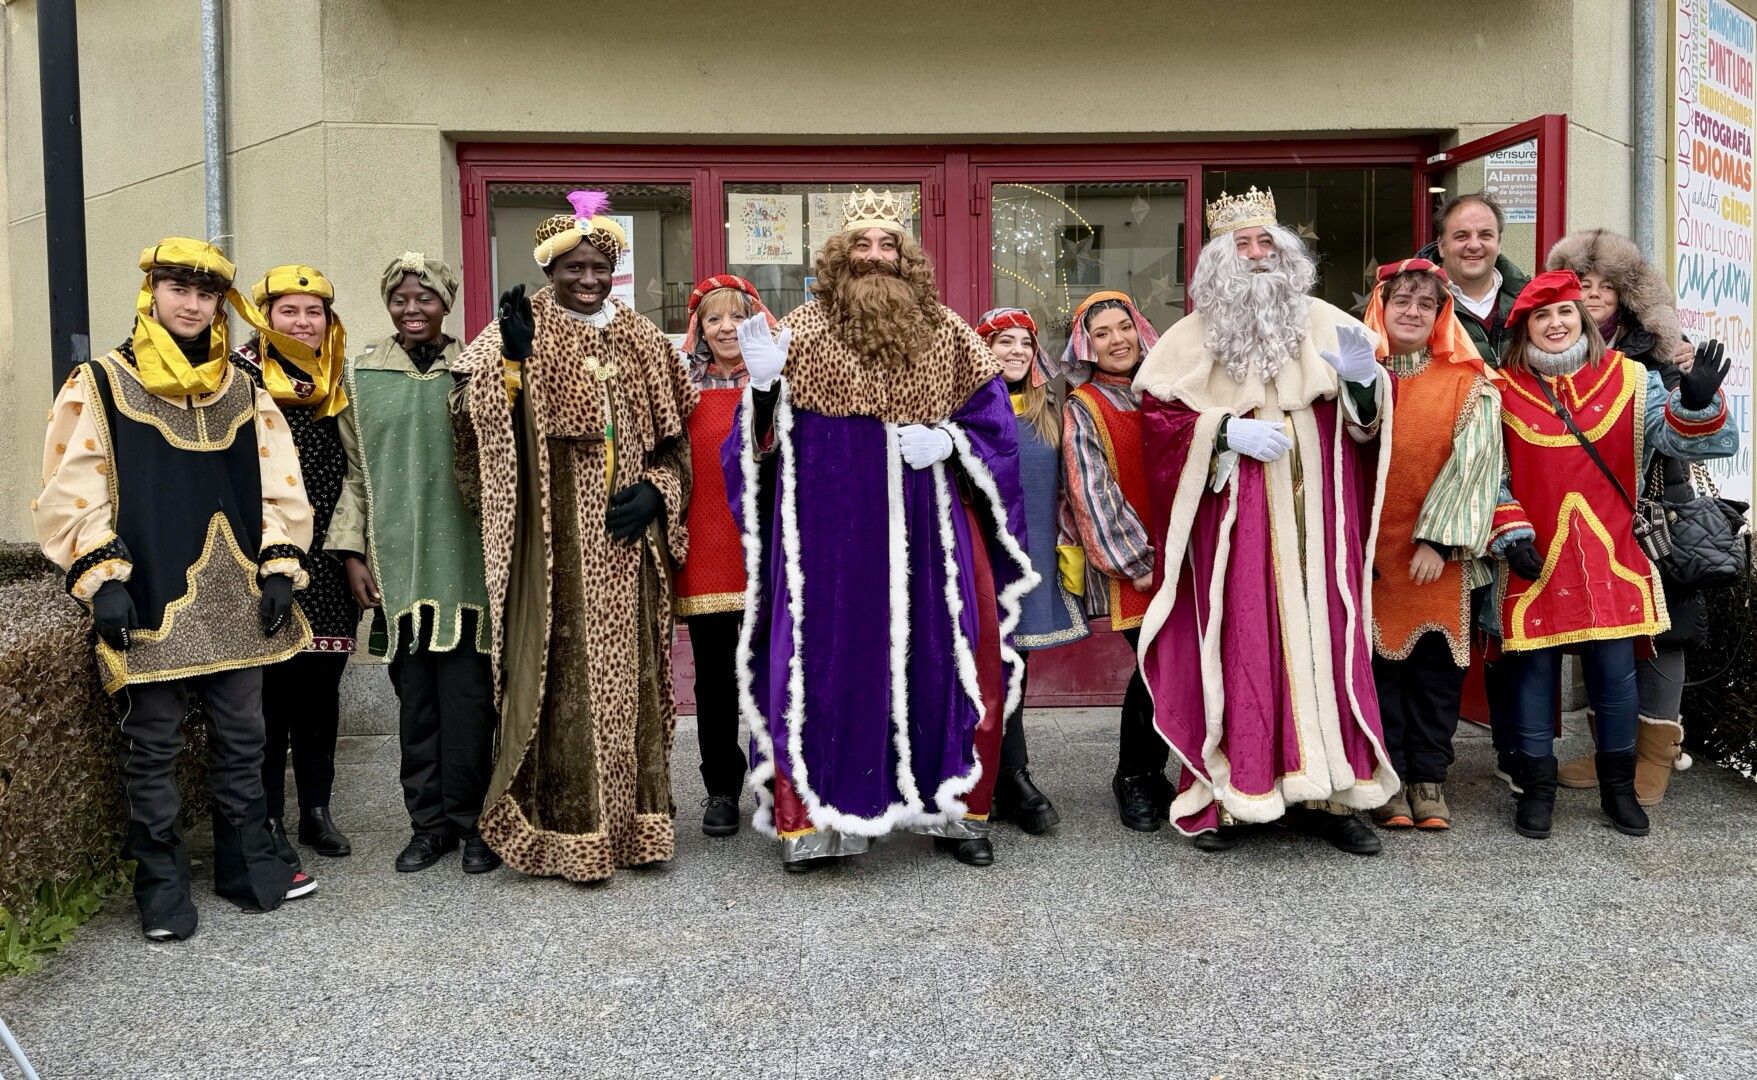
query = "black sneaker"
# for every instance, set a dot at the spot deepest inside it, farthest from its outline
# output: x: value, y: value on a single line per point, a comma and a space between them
x: 303, y: 885
x: 424, y: 850
x: 720, y: 815
x: 479, y: 858
x: 1137, y: 801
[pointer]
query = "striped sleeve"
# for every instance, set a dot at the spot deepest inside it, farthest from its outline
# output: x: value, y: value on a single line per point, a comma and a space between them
x: 1113, y: 536
x: 1459, y: 511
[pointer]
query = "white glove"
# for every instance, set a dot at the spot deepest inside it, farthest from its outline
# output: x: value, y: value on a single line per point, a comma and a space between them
x: 1257, y: 438
x: 922, y: 445
x: 764, y: 353
x: 1353, y: 358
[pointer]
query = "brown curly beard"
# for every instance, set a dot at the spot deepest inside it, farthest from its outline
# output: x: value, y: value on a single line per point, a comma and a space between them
x: 885, y: 310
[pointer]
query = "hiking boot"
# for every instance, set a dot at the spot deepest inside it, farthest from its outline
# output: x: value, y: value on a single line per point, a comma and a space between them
x: 1427, y: 804
x: 1616, y: 793
x: 1395, y: 813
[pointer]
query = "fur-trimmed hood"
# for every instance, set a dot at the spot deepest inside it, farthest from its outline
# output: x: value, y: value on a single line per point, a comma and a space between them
x: 1642, y: 288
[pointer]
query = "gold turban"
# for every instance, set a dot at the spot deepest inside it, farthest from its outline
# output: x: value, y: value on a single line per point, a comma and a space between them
x: 157, y: 358
x: 562, y: 233
x: 321, y: 368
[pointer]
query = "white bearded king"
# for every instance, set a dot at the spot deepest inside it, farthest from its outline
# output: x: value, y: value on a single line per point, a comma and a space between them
x: 1262, y: 418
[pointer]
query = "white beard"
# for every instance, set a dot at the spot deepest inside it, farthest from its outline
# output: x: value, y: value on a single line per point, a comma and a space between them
x: 1254, y: 311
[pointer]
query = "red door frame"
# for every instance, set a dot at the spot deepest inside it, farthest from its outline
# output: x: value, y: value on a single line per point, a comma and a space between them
x: 1551, y: 132
x: 955, y: 232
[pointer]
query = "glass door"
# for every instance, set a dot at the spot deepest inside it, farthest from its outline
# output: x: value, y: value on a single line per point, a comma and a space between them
x: 1524, y: 169
x: 774, y: 232
x: 1051, y: 237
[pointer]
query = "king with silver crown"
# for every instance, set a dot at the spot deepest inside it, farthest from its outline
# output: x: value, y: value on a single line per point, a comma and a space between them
x: 876, y: 448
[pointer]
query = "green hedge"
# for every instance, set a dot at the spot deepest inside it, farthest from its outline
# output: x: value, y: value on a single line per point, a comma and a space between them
x: 62, y: 811
x: 1720, y: 714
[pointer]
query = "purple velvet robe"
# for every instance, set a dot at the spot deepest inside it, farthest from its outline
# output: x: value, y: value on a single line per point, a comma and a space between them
x: 857, y: 666
x: 1258, y: 657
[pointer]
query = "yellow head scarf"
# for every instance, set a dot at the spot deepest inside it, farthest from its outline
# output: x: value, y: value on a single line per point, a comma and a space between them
x: 157, y: 358
x: 321, y: 367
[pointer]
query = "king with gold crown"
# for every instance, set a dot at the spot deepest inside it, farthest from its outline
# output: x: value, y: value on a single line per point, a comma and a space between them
x: 875, y: 470
x: 1265, y: 426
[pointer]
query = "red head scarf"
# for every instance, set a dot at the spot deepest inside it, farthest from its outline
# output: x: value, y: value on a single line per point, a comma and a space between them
x: 1012, y: 318
x: 1549, y: 287
x: 1448, y: 341
x: 692, y: 336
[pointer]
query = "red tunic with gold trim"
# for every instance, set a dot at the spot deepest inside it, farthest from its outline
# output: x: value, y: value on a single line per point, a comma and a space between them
x: 1597, y: 584
x: 712, y: 578
x: 1120, y: 431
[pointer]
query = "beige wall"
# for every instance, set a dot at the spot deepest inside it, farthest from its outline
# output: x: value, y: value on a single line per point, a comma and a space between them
x: 344, y: 115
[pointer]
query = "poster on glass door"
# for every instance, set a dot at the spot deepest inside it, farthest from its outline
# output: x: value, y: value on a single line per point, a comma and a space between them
x: 1711, y: 201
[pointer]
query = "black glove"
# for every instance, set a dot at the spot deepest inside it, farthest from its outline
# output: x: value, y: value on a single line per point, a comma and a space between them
x: 518, y: 327
x: 277, y: 603
x: 631, y: 509
x: 1696, y: 389
x: 113, y: 615
x: 1523, y: 559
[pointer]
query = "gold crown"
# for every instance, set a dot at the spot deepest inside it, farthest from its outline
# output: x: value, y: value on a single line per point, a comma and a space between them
x: 871, y: 209
x: 1253, y: 209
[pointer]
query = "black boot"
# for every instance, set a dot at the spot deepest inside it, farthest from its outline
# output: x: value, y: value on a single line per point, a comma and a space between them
x: 1344, y: 832
x: 975, y: 851
x: 317, y: 831
x: 1137, y: 801
x: 1536, y: 808
x: 1225, y: 838
x: 720, y: 815
x: 1616, y: 793
x: 1016, y: 799
x: 277, y: 830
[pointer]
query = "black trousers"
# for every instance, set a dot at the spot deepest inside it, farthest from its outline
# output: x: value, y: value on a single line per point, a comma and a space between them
x: 1418, y: 705
x: 713, y: 640
x: 1140, y: 749
x: 246, y: 868
x: 1013, y: 752
x: 446, y: 729
x: 301, y: 707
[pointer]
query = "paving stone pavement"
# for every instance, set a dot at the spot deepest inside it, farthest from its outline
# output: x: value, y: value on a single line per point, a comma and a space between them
x: 1093, y: 952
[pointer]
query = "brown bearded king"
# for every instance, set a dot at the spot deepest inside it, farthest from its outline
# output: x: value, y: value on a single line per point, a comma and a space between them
x: 875, y: 464
x: 1263, y: 540
x: 581, y: 620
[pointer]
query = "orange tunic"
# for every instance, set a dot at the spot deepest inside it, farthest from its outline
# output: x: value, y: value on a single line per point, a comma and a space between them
x: 1120, y: 430
x: 1431, y: 407
x: 1596, y: 583
x: 712, y: 578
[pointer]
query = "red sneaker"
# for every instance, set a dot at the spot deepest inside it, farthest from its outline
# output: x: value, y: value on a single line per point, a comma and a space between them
x: 303, y: 885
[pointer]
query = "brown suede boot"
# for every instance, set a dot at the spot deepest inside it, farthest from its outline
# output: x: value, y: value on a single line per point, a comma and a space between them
x: 1657, y: 746
x: 1582, y: 772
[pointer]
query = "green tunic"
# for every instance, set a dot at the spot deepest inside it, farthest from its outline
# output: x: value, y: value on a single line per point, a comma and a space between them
x: 401, y: 506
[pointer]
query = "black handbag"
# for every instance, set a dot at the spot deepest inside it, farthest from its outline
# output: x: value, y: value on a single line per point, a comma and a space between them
x: 1652, y: 529
x: 1711, y: 541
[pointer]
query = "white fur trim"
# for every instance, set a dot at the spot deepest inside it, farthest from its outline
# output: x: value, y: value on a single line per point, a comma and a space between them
x: 1011, y: 600
x: 948, y: 799
x: 761, y: 772
x: 897, y: 578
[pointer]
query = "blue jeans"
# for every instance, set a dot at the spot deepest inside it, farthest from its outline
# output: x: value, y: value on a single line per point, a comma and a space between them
x: 1534, y: 688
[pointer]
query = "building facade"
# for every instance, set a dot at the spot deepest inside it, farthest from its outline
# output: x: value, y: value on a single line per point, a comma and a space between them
x: 1050, y: 149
